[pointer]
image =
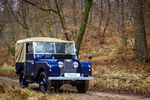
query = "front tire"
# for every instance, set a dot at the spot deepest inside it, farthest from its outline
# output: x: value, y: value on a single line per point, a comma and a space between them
x: 83, y: 86
x: 44, y: 84
x: 22, y: 80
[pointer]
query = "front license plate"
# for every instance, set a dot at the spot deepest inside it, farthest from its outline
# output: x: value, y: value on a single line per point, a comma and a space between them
x: 72, y: 74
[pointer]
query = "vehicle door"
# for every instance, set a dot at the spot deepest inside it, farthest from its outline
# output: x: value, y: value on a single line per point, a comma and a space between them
x: 29, y: 60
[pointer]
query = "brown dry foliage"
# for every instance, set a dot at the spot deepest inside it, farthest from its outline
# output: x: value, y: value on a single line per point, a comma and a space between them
x: 125, y: 82
x: 14, y: 93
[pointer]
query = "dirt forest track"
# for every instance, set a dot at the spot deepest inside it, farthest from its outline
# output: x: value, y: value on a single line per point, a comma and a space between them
x: 90, y: 95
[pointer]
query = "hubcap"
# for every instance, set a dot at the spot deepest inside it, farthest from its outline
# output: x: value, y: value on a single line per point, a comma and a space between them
x: 43, y: 85
x: 22, y: 79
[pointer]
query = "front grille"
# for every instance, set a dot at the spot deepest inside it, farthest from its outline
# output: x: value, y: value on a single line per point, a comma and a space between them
x: 68, y: 67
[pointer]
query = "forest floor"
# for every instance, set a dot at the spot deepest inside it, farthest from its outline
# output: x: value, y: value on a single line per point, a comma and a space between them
x: 117, y: 77
x: 114, y: 70
x: 10, y: 90
x: 121, y: 75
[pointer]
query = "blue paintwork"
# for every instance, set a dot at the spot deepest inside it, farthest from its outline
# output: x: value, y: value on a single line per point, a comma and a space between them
x: 85, y: 68
x: 40, y: 62
x: 47, y: 56
x: 39, y: 56
x: 29, y: 57
x: 19, y: 66
x: 54, y: 67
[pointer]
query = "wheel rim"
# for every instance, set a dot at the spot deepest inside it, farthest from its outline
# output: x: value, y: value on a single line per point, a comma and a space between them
x: 43, y: 85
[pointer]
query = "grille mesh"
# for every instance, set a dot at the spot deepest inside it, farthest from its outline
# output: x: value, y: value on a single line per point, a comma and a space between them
x: 68, y: 67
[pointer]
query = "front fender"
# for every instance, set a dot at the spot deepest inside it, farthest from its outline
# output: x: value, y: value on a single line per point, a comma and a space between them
x: 53, y: 69
x: 86, y: 68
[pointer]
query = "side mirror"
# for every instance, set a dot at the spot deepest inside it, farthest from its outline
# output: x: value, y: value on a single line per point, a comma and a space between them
x: 90, y: 57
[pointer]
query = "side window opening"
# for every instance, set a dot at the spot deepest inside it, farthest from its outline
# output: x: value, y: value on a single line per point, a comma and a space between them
x: 29, y: 48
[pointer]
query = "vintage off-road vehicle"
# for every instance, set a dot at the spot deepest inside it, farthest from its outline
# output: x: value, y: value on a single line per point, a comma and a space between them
x: 51, y: 63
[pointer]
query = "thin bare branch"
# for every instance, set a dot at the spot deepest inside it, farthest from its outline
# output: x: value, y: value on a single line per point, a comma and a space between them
x: 44, y: 9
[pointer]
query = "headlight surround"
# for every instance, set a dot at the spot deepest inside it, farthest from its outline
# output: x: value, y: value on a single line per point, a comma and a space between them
x: 60, y: 64
x: 75, y: 64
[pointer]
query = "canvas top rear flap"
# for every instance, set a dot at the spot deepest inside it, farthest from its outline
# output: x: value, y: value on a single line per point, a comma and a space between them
x: 20, y: 50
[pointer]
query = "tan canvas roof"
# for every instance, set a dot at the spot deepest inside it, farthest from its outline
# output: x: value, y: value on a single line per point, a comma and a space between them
x: 20, y: 50
x: 42, y: 39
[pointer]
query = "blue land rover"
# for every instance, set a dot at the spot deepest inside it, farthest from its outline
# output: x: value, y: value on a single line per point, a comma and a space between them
x: 51, y: 63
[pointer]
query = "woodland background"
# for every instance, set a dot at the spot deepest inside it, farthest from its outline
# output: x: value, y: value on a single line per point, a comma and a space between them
x: 116, y: 33
x: 118, y: 22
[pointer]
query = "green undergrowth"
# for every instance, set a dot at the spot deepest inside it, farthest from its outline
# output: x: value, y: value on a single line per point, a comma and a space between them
x: 13, y: 93
x: 6, y: 68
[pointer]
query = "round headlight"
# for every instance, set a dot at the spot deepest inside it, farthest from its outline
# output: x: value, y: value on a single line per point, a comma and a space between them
x: 89, y: 66
x: 75, y: 64
x: 50, y: 66
x: 60, y: 64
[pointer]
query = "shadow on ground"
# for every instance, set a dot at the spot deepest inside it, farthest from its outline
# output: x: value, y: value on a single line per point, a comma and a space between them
x: 63, y: 89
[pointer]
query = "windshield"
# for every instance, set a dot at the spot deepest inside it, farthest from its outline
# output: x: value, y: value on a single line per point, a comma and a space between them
x: 58, y: 48
x: 67, y: 48
x: 44, y: 47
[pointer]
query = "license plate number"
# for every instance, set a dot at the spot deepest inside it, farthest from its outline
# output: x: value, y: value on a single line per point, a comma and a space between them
x: 72, y: 74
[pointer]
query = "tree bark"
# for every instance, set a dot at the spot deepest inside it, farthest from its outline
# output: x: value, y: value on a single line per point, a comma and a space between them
x: 1, y: 28
x: 140, y: 52
x: 74, y: 17
x: 23, y: 23
x: 44, y: 9
x: 122, y: 26
x: 107, y: 23
x: 101, y: 11
x: 80, y: 34
x: 61, y: 20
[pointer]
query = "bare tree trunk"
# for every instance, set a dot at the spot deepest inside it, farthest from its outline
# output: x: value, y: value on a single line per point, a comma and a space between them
x: 1, y: 28
x: 74, y: 17
x: 124, y: 39
x: 23, y: 23
x: 61, y: 20
x: 9, y: 43
x: 107, y: 23
x: 101, y: 16
x: 80, y: 34
x: 140, y: 52
x: 118, y: 13
x: 11, y: 48
x: 91, y: 15
x: 74, y: 8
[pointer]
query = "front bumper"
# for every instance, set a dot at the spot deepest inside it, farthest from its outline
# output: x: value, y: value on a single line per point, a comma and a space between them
x: 71, y: 78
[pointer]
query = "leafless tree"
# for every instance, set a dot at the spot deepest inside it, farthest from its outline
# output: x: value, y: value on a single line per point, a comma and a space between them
x: 140, y: 51
x: 122, y: 26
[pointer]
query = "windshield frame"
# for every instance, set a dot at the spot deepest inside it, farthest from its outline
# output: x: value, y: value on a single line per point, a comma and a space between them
x: 74, y: 50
